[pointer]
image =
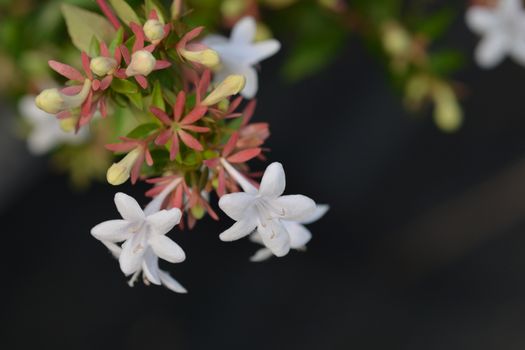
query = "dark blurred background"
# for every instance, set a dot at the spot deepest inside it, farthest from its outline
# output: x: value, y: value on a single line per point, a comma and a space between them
x: 422, y: 247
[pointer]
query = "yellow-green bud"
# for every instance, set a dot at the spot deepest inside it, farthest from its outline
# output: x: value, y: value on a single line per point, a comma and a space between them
x: 153, y: 30
x: 102, y: 66
x: 233, y: 84
x: 119, y: 172
x: 68, y: 124
x: 142, y: 63
x: 396, y: 39
x: 448, y: 115
x: 206, y: 57
x: 53, y: 101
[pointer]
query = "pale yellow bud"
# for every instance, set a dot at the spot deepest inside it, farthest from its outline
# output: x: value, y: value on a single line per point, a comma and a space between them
x: 119, y: 172
x: 206, y: 57
x: 68, y: 124
x: 142, y: 63
x: 396, y: 40
x: 53, y: 101
x: 448, y: 115
x: 233, y: 8
x: 233, y: 84
x: 102, y: 66
x: 153, y: 30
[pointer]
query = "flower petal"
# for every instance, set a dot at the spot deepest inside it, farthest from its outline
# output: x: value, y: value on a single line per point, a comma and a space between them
x: 273, y: 182
x: 238, y: 230
x: 112, y: 231
x: 320, y: 210
x: 163, y: 221
x: 261, y: 51
x: 166, y: 249
x: 491, y: 50
x: 294, y: 207
x: 235, y: 205
x: 244, y: 31
x: 150, y: 267
x: 128, y: 207
x: 261, y: 255
x: 252, y: 82
x: 170, y: 283
x: 299, y: 235
x: 130, y: 259
x: 479, y: 19
x: 275, y: 237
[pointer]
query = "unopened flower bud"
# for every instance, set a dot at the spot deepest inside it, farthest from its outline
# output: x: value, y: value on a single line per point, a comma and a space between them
x: 102, y: 66
x: 53, y: 101
x: 119, y: 172
x: 142, y: 63
x: 396, y: 40
x: 233, y: 84
x: 206, y: 57
x: 154, y: 30
x: 233, y: 8
x: 68, y: 124
x: 448, y: 115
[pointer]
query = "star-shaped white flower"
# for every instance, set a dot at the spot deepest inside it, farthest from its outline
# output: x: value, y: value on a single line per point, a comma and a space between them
x: 46, y: 133
x: 299, y: 234
x: 145, y: 240
x: 265, y: 209
x: 240, y: 54
x: 503, y: 31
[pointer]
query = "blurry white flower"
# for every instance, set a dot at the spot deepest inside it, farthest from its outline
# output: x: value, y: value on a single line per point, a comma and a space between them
x: 503, y: 30
x: 145, y: 240
x: 46, y: 132
x: 299, y: 234
x: 240, y: 54
x: 265, y: 209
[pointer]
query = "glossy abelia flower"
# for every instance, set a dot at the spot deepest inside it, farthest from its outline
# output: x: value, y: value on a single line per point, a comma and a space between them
x: 299, y: 234
x: 503, y: 30
x: 144, y: 237
x: 265, y: 209
x: 138, y: 152
x: 240, y: 54
x: 196, y: 52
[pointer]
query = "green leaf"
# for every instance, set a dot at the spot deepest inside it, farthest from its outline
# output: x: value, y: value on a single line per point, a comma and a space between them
x: 446, y: 61
x: 156, y: 96
x: 117, y: 41
x: 124, y: 86
x: 124, y: 11
x: 94, y: 47
x: 143, y: 130
x: 136, y: 99
x: 434, y: 26
x: 82, y: 25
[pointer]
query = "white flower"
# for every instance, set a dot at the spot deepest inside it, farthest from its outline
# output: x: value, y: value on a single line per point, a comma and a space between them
x: 299, y: 234
x: 503, y: 31
x: 240, y: 54
x: 265, y: 209
x: 144, y: 236
x: 46, y: 132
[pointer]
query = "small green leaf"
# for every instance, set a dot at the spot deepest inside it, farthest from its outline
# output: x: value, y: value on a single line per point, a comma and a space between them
x: 115, y: 43
x: 94, y: 47
x: 235, y: 124
x: 136, y: 99
x: 143, y: 130
x: 82, y: 25
x: 124, y: 86
x: 124, y: 11
x: 156, y: 96
x: 446, y: 61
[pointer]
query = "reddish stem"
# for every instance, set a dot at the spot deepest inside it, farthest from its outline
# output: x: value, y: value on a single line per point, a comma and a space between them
x: 104, y: 7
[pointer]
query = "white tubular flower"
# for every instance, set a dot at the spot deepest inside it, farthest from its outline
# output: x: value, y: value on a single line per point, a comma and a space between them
x: 239, y: 54
x: 46, y: 131
x: 145, y: 240
x: 53, y: 101
x: 503, y: 31
x: 142, y: 63
x: 299, y: 234
x: 265, y: 209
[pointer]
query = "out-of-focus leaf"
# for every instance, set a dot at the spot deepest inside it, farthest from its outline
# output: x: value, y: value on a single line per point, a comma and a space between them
x: 435, y: 25
x: 119, y: 37
x: 124, y: 86
x: 446, y: 62
x: 82, y: 25
x: 157, y: 99
x: 136, y: 99
x: 124, y: 11
x: 94, y: 47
